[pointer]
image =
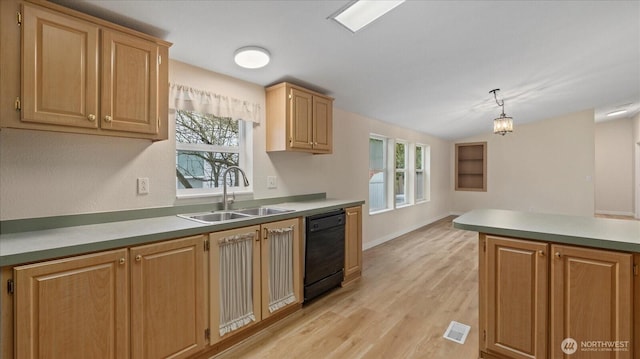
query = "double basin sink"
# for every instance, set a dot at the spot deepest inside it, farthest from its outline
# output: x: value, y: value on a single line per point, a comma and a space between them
x: 224, y: 216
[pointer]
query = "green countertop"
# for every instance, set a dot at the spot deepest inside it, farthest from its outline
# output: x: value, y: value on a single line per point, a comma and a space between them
x: 33, y: 246
x: 616, y: 234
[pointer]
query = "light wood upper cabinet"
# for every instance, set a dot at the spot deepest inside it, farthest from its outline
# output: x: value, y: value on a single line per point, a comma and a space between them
x: 591, y: 299
x: 84, y: 75
x: 59, y: 69
x: 298, y: 119
x: 515, y: 298
x: 73, y: 308
x: 353, y: 244
x: 168, y: 299
x: 130, y: 90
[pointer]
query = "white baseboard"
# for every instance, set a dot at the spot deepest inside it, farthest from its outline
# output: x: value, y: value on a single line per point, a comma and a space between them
x: 615, y: 213
x: 397, y: 234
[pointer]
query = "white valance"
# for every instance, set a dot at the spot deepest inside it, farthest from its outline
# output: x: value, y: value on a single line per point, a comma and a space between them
x: 189, y: 99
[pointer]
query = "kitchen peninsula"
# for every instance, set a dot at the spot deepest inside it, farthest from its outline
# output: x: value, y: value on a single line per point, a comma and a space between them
x: 551, y: 285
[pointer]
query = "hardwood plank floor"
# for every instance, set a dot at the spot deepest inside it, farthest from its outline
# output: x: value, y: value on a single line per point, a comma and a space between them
x: 411, y: 288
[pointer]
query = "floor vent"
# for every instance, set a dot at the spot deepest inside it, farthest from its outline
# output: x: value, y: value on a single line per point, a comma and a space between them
x: 457, y: 332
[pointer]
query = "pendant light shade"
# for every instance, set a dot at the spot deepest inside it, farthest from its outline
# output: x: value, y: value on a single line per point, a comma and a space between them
x: 503, y: 124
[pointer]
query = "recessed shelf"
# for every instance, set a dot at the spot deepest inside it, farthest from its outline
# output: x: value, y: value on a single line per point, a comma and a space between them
x: 471, y: 166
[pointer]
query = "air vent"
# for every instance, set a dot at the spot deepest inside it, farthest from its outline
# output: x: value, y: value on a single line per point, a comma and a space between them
x: 457, y: 332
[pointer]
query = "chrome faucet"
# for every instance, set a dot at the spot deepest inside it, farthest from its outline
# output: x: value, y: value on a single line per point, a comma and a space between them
x: 224, y: 185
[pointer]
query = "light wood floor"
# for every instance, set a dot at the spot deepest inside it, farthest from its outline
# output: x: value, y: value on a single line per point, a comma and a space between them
x: 412, y: 287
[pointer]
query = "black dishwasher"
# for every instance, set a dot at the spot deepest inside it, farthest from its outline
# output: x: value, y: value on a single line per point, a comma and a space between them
x: 324, y: 253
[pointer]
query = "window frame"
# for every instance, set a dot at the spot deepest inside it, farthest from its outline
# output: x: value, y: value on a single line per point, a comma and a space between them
x: 426, y: 173
x: 405, y: 170
x: 387, y: 184
x: 245, y: 159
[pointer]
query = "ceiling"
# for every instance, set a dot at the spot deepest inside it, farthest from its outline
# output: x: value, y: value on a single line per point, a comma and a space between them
x: 426, y: 65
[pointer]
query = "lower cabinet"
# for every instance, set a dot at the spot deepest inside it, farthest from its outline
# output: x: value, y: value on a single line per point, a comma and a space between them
x: 147, y: 301
x: 353, y: 244
x: 542, y: 300
x: 168, y: 299
x: 73, y: 308
x: 591, y: 301
x: 255, y: 272
x: 513, y: 298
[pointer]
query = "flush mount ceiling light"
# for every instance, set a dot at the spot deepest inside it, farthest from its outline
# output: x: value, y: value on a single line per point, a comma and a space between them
x: 363, y: 12
x: 251, y: 57
x: 503, y: 124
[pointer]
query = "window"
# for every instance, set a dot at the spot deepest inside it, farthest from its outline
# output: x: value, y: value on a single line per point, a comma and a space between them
x: 422, y: 190
x: 206, y: 145
x: 377, y: 174
x: 401, y: 178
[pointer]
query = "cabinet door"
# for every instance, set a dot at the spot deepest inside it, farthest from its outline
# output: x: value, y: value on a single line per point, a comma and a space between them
x: 129, y: 83
x: 590, y: 300
x: 516, y: 294
x: 168, y: 299
x: 322, y: 124
x: 281, y: 266
x: 234, y: 281
x: 301, y: 120
x: 353, y: 244
x: 59, y: 69
x: 73, y: 308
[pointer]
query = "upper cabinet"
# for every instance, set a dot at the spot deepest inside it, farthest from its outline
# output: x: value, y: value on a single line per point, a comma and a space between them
x: 298, y: 119
x: 84, y: 75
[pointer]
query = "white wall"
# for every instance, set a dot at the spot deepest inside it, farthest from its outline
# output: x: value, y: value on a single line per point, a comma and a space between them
x: 545, y: 166
x: 49, y: 174
x: 614, y: 167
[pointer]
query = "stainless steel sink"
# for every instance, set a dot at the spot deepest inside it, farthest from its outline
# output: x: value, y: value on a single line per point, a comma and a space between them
x: 262, y: 211
x: 223, y: 216
x: 211, y: 217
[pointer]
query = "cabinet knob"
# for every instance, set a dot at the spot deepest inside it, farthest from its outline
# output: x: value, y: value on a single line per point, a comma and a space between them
x: 541, y: 253
x: 122, y: 260
x: 558, y: 255
x: 138, y: 258
x: 91, y: 117
x: 108, y: 118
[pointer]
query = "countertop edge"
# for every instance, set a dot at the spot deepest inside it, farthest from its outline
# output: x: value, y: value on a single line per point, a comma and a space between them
x: 191, y: 228
x: 552, y: 237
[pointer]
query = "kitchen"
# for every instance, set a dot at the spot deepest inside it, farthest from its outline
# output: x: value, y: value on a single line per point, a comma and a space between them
x: 53, y: 166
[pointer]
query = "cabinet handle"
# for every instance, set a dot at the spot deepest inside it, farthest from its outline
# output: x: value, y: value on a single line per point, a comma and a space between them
x: 558, y: 255
x: 138, y: 258
x: 266, y: 234
x: 108, y: 118
x: 122, y: 260
x: 257, y: 235
x: 541, y: 253
x: 91, y: 117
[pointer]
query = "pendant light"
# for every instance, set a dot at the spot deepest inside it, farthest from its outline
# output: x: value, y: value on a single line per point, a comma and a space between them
x: 503, y: 124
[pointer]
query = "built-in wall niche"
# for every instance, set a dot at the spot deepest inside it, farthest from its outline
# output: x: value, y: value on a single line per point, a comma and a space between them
x: 471, y: 166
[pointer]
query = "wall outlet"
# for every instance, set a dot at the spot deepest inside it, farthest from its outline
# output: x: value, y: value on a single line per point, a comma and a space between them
x: 143, y: 185
x: 272, y: 182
